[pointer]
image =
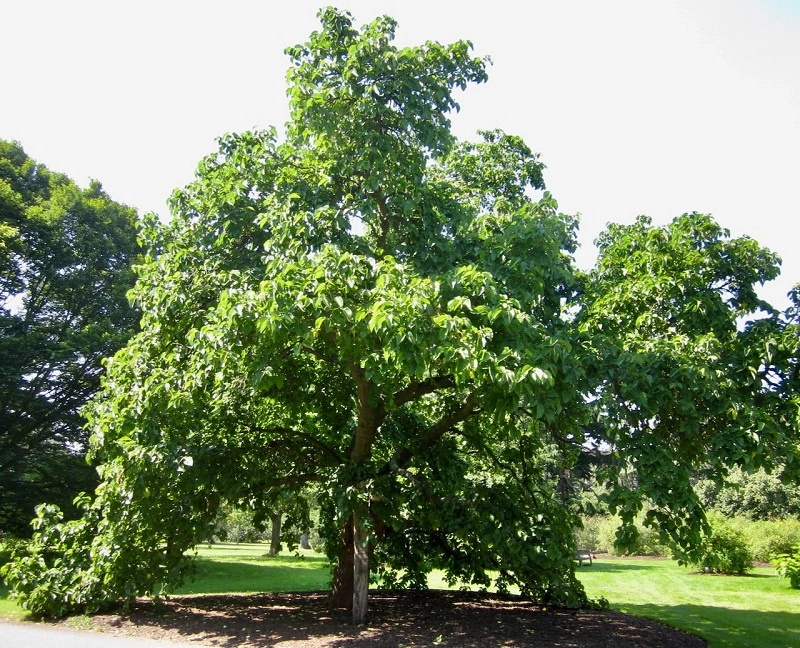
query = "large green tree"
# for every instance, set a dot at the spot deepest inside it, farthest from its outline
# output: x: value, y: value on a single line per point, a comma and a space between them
x: 369, y: 308
x: 365, y: 304
x: 65, y: 266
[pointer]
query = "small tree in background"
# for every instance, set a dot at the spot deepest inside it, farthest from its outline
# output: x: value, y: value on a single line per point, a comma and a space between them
x: 724, y: 550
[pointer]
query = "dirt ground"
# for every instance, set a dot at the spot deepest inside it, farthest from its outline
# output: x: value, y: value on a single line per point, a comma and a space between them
x: 431, y: 618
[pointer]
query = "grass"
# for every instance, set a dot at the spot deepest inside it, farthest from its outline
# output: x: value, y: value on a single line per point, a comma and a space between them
x: 8, y: 609
x: 226, y: 568
x: 730, y: 612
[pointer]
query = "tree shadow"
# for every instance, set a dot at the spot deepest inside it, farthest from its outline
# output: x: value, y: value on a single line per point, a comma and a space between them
x: 433, y: 617
x: 600, y: 566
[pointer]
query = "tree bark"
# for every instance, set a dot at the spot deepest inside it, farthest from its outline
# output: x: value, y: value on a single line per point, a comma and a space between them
x: 353, y: 567
x: 275, y: 541
x: 360, y: 571
x: 342, y: 586
x: 304, y: 544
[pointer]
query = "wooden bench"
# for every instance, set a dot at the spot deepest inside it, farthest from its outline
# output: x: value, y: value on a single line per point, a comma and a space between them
x: 583, y: 554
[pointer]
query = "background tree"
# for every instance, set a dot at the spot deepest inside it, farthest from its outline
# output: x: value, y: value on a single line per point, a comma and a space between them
x: 692, y: 371
x: 65, y: 266
x: 759, y: 496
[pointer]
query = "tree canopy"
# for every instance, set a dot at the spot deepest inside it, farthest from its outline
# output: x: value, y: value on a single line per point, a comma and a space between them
x: 368, y: 307
x: 65, y: 266
x: 691, y: 371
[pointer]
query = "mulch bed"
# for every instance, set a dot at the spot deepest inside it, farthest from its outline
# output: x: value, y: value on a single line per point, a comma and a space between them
x: 428, y: 618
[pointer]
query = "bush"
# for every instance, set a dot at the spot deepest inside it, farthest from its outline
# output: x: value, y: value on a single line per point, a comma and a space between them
x: 599, y: 533
x: 9, y: 546
x: 763, y: 539
x: 788, y: 566
x: 767, y: 539
x: 725, y: 551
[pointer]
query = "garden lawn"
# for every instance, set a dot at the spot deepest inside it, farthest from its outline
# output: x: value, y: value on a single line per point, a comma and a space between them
x: 754, y: 611
x: 9, y: 610
x: 245, y: 568
x: 758, y: 610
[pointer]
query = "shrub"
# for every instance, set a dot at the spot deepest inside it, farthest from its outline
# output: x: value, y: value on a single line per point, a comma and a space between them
x: 788, y: 566
x: 10, y: 546
x: 599, y: 533
x: 769, y: 538
x: 725, y: 551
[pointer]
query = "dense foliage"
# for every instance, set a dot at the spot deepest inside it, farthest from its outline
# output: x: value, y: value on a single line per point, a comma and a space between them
x: 760, y: 495
x: 763, y: 538
x: 369, y: 308
x: 65, y: 266
x: 724, y: 550
x: 691, y: 372
x: 788, y: 566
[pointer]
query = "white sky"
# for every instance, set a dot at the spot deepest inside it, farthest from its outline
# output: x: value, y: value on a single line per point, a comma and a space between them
x: 636, y: 107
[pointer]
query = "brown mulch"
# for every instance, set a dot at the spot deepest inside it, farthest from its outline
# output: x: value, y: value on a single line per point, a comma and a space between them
x: 430, y: 618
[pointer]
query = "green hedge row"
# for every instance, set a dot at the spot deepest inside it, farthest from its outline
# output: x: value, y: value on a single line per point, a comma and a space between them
x: 762, y: 538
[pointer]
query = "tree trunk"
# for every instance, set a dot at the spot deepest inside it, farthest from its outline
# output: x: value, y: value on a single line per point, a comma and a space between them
x: 275, y: 541
x: 342, y: 586
x: 352, y: 572
x: 360, y: 571
x: 304, y: 544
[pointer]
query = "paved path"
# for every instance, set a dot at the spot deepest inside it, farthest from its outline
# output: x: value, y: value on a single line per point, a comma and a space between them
x: 29, y: 635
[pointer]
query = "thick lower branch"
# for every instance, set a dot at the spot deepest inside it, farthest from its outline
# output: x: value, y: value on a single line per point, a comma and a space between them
x: 402, y: 456
x: 418, y: 389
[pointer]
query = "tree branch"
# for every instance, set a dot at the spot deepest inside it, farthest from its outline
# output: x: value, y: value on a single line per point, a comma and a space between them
x: 402, y: 456
x: 370, y: 415
x: 292, y: 433
x: 383, y: 220
x: 417, y: 389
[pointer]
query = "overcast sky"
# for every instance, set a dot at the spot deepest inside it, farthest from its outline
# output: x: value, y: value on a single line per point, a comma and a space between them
x: 636, y: 107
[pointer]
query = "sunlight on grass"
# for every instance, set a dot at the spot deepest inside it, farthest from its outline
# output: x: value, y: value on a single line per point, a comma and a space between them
x: 9, y: 610
x: 247, y: 568
x: 729, y: 611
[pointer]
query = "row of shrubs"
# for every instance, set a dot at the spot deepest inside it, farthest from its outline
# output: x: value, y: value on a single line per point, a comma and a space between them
x: 736, y: 543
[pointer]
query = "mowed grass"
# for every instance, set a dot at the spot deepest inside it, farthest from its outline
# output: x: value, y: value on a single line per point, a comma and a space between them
x: 246, y: 568
x: 9, y: 610
x: 753, y: 611
x: 758, y: 610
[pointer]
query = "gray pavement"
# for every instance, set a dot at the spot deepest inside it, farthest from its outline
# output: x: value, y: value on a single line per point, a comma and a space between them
x: 31, y: 635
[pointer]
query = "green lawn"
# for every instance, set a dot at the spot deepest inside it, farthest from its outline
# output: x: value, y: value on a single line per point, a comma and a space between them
x: 246, y: 568
x: 737, y: 612
x: 8, y: 609
x: 756, y: 610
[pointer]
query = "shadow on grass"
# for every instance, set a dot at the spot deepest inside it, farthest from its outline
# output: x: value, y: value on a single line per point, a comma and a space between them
x: 449, y: 619
x: 599, y: 565
x: 727, y: 627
